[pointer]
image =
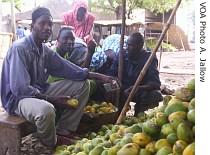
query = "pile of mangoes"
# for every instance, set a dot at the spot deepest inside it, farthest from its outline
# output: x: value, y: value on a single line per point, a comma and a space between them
x: 99, y: 108
x: 165, y: 130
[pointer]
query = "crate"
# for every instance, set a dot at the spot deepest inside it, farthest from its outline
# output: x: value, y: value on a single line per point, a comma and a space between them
x: 12, y: 129
x: 93, y: 122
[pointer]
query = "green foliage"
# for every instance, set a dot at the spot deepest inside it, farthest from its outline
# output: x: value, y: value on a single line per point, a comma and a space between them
x: 18, y: 3
x: 151, y: 43
x: 156, y: 6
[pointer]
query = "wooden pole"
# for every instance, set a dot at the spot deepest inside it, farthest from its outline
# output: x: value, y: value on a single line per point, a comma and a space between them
x: 146, y: 66
x: 121, y: 53
x: 120, y: 67
x: 13, y: 19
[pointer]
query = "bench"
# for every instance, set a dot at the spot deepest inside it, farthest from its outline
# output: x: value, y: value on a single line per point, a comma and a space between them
x: 12, y: 129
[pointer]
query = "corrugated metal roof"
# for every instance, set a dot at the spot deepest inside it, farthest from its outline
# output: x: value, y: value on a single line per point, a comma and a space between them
x: 117, y: 22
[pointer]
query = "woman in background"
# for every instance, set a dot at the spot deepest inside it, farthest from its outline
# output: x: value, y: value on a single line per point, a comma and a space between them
x: 80, y: 19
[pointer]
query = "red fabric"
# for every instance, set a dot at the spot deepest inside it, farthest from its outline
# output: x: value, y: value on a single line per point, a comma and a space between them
x: 82, y: 29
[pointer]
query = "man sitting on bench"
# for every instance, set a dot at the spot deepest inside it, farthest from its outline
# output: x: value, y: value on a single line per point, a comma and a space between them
x: 25, y: 92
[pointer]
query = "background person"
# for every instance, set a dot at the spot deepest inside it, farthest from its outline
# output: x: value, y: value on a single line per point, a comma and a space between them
x: 80, y: 19
x: 102, y: 60
x: 148, y: 94
x: 26, y: 31
x: 20, y: 32
x: 72, y: 49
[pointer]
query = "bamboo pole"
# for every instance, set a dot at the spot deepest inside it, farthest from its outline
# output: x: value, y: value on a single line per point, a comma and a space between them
x: 146, y: 66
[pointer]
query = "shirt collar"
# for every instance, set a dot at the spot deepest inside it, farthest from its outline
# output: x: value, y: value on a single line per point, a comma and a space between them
x: 35, y: 48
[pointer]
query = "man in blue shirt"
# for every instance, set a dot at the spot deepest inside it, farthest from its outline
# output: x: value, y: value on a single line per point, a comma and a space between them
x: 25, y: 92
x: 148, y: 94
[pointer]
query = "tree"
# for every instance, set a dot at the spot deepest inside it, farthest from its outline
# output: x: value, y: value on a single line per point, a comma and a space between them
x: 156, y: 6
x: 18, y: 3
x: 108, y: 5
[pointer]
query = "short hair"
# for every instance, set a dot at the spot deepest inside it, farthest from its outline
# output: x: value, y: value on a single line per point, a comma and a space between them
x: 138, y: 38
x: 40, y: 11
x: 64, y: 27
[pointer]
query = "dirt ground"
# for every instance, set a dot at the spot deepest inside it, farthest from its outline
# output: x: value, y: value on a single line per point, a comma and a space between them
x: 176, y: 68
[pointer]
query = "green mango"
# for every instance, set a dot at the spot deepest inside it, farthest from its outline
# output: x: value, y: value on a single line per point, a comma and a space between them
x: 184, y: 132
x: 97, y: 150
x: 129, y: 149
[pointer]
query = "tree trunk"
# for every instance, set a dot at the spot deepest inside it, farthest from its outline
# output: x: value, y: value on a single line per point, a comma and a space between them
x: 118, y: 12
x: 129, y: 13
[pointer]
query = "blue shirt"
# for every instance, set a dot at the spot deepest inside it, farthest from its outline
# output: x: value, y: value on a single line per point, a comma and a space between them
x: 20, y: 33
x: 131, y: 70
x: 25, y: 71
x: 112, y: 42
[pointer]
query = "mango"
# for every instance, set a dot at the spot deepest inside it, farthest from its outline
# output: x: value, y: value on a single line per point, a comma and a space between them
x: 129, y: 149
x: 191, y: 84
x: 167, y: 129
x: 184, y: 94
x: 191, y: 104
x: 175, y: 107
x: 191, y: 115
x: 142, y: 139
x: 174, y: 100
x: 162, y: 143
x: 125, y: 140
x: 161, y: 118
x: 179, y: 146
x: 172, y: 138
x: 87, y: 147
x: 144, y: 152
x: 106, y: 144
x: 113, y: 150
x: 96, y: 141
x: 133, y: 129
x: 105, y: 152
x: 176, y: 118
x: 96, y: 151
x: 73, y: 103
x: 151, y: 128
x: 190, y: 149
x: 166, y: 99
x: 151, y: 147
x: 177, y: 114
x: 164, y: 151
x: 114, y: 137
x: 184, y: 132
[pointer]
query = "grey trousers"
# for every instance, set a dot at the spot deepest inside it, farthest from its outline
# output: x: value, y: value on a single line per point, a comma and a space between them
x: 42, y: 113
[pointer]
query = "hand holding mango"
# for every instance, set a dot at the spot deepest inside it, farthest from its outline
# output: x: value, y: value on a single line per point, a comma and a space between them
x: 73, y: 103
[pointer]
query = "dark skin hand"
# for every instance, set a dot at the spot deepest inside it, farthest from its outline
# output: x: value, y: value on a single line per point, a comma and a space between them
x: 101, y: 77
x: 91, y: 49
